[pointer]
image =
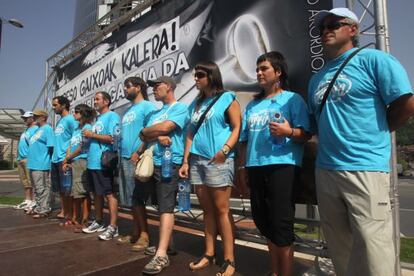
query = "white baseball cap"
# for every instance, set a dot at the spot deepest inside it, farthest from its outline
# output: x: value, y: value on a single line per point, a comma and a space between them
x: 341, y: 12
x: 27, y: 114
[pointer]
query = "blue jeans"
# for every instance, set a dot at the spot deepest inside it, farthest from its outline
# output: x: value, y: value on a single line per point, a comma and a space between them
x: 127, y: 185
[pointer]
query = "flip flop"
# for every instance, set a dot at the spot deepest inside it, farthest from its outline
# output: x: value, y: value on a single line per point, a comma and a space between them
x: 39, y: 216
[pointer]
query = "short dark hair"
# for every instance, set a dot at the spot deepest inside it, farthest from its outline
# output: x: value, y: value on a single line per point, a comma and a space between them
x: 278, y: 62
x: 87, y: 113
x: 106, y: 96
x: 214, y: 78
x: 62, y: 100
x: 137, y: 81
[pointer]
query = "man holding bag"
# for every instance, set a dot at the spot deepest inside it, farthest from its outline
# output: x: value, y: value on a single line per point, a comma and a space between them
x: 102, y: 180
x: 166, y: 128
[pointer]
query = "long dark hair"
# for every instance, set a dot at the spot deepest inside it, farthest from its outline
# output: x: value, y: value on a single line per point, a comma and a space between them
x: 214, y: 79
x: 87, y: 113
x: 278, y: 62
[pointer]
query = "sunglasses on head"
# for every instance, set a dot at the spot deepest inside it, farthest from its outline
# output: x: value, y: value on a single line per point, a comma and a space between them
x: 200, y: 74
x: 333, y: 26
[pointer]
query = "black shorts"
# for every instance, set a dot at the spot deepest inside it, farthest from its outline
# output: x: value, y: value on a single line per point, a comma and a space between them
x: 160, y: 193
x: 56, y: 173
x: 272, y: 201
x: 101, y: 182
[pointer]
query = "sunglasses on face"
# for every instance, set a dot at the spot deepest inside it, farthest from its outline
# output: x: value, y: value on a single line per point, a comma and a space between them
x: 77, y: 111
x: 333, y: 26
x: 200, y: 74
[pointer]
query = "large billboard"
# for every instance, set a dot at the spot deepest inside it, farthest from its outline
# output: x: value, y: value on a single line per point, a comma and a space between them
x: 175, y: 35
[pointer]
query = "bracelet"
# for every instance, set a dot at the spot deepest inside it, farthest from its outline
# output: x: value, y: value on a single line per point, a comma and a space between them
x: 227, y: 146
x: 291, y: 134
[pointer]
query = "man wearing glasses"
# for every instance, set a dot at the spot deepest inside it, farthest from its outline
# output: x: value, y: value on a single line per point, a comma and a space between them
x: 371, y: 97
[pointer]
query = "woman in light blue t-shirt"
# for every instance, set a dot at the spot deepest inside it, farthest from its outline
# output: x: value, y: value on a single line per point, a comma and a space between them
x: 275, y: 125
x: 208, y: 160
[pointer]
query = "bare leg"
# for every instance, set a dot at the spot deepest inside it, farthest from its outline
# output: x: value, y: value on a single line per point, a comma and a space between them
x: 166, y: 228
x: 98, y: 202
x: 113, y: 209
x: 140, y: 218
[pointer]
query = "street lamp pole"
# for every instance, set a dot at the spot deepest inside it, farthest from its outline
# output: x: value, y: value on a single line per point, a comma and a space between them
x: 13, y: 22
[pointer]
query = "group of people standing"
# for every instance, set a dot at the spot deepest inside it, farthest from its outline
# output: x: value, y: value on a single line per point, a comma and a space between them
x: 371, y: 97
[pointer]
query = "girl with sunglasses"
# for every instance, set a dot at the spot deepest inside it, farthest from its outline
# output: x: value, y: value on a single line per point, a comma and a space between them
x: 76, y: 158
x: 208, y: 160
x: 272, y: 152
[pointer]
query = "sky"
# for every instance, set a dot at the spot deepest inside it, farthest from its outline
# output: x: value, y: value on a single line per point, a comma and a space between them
x: 48, y: 26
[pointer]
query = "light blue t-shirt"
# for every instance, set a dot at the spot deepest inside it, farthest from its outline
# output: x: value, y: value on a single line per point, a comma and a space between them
x: 63, y: 133
x: 76, y: 141
x: 176, y: 113
x: 104, y: 125
x: 23, y: 147
x: 214, y: 131
x: 38, y: 158
x: 352, y: 129
x: 255, y: 130
x: 134, y: 119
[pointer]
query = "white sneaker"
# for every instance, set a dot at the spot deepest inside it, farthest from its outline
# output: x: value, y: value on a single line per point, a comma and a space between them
x: 110, y: 233
x: 21, y: 205
x: 30, y: 206
x: 94, y: 227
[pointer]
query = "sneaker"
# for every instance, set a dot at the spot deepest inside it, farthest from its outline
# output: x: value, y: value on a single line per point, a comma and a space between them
x: 110, y: 233
x: 30, y: 206
x: 21, y: 205
x: 156, y: 265
x: 94, y: 227
x: 141, y: 244
x: 151, y: 250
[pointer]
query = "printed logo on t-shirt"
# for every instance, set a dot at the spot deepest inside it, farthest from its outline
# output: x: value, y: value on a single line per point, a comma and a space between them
x: 341, y: 87
x: 76, y: 140
x: 59, y: 129
x: 258, y: 121
x: 197, y: 114
x: 128, y: 118
x: 160, y: 118
x: 98, y: 127
x: 36, y: 136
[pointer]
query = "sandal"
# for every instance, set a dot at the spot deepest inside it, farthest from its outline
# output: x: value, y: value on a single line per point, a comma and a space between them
x: 226, y: 265
x: 31, y: 212
x: 39, y: 216
x: 211, y: 260
x: 68, y: 222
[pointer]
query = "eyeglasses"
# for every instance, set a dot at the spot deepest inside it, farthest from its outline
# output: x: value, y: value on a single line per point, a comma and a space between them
x: 333, y: 26
x: 200, y: 74
x: 128, y: 85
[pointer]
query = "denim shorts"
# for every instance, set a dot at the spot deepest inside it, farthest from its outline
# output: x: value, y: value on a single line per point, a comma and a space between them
x: 202, y: 172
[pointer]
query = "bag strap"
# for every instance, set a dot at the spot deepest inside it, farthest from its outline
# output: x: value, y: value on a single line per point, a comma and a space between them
x: 331, y: 84
x: 203, y: 116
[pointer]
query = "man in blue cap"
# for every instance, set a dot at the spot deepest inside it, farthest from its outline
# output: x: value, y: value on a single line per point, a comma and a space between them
x: 371, y: 97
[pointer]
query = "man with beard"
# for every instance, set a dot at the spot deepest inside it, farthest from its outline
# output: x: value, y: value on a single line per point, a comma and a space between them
x: 63, y: 133
x: 102, y: 180
x: 131, y: 194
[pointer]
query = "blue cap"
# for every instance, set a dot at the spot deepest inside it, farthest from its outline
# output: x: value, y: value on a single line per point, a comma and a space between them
x: 341, y: 12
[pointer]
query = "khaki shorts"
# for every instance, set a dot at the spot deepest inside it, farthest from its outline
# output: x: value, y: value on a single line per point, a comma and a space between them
x: 80, y: 186
x: 24, y: 173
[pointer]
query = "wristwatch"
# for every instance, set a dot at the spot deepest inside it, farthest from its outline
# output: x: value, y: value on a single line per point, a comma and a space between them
x: 225, y: 150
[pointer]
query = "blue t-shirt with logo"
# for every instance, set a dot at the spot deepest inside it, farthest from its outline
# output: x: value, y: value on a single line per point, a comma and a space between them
x: 104, y: 125
x: 23, y: 147
x: 38, y: 157
x: 255, y: 130
x: 76, y: 141
x: 63, y: 133
x: 134, y: 119
x: 214, y: 131
x: 352, y: 129
x: 177, y: 113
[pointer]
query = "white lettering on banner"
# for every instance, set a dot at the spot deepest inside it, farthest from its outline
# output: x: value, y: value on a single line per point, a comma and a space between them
x: 149, y: 54
x: 315, y: 48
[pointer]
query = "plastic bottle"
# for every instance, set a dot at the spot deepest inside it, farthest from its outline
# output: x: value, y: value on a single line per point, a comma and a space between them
x: 85, y: 144
x: 116, y: 137
x: 166, y: 164
x: 276, y: 115
x: 184, y: 190
x: 67, y: 179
